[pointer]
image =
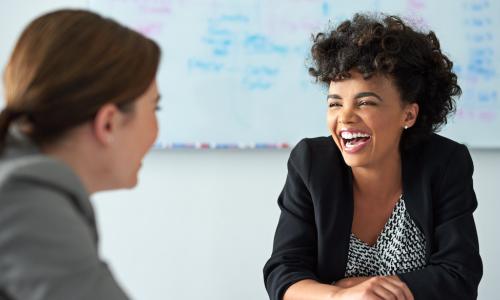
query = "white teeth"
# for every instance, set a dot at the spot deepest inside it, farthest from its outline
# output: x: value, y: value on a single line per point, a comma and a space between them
x: 348, y: 135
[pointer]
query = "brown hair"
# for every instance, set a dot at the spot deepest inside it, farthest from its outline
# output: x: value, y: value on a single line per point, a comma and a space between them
x: 69, y: 63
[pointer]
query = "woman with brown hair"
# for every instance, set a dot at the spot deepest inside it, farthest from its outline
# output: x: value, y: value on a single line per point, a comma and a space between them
x: 80, y: 116
x: 383, y: 207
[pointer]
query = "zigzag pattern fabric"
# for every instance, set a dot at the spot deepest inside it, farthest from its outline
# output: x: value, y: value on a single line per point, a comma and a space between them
x: 400, y: 248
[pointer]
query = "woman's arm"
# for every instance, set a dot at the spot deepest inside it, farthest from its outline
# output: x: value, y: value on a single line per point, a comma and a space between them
x: 454, y: 269
x: 366, y: 288
x: 310, y: 290
x: 351, y: 281
x: 294, y: 249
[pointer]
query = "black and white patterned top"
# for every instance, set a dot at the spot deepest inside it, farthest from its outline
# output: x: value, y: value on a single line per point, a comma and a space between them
x: 399, y: 248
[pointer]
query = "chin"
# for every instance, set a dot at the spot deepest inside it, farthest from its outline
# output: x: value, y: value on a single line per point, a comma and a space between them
x: 129, y: 183
x: 355, y: 162
x: 133, y: 183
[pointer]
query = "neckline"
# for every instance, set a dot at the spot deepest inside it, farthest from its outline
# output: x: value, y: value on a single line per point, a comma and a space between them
x: 385, y: 229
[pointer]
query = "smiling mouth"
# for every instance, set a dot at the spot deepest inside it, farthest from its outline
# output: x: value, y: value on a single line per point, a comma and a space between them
x: 353, y: 142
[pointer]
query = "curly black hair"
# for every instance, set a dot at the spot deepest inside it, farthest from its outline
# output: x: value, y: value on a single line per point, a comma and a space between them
x: 386, y: 45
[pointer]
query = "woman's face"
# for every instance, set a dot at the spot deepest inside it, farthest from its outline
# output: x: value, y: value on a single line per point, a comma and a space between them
x: 136, y: 136
x: 366, y: 119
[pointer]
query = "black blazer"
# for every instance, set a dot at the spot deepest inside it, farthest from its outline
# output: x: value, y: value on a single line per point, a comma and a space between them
x: 312, y: 237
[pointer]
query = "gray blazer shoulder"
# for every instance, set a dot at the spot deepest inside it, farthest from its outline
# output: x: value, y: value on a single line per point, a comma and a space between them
x: 48, y: 236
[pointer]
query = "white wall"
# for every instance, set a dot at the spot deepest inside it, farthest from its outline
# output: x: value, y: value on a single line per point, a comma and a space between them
x: 199, y: 226
x: 200, y: 223
x: 487, y: 187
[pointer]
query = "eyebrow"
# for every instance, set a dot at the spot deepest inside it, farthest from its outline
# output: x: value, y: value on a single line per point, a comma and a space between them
x: 158, y: 98
x: 358, y: 95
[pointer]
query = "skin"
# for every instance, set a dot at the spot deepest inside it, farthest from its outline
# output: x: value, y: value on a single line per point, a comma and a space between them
x: 107, y: 152
x: 373, y: 106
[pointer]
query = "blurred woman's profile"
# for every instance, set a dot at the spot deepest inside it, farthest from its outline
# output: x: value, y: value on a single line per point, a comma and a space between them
x: 80, y: 115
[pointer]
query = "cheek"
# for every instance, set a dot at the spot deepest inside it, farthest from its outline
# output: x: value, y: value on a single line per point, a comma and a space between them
x: 387, y: 128
x: 331, y: 119
x: 153, y: 128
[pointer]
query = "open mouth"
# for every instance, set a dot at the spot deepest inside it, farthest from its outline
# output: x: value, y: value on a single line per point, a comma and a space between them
x: 354, y: 141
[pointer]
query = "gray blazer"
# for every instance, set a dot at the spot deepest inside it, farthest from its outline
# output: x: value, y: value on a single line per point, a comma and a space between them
x: 48, y: 235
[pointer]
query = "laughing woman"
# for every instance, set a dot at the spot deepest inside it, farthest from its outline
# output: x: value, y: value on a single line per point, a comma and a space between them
x: 382, y: 208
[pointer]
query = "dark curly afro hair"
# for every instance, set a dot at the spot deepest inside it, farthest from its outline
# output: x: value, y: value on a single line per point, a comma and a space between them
x: 386, y: 45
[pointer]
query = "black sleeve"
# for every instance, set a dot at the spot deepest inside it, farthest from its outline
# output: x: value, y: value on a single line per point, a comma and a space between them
x: 294, y: 250
x: 455, y: 268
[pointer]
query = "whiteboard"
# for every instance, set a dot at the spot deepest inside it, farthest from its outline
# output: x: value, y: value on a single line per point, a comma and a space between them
x: 234, y: 73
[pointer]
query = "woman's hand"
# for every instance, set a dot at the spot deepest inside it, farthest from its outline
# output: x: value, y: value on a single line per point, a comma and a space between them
x: 380, y: 287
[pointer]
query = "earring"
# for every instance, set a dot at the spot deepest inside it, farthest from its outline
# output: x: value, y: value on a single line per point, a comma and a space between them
x: 406, y: 127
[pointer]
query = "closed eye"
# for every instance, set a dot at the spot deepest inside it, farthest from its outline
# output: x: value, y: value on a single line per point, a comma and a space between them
x: 366, y: 102
x: 334, y: 104
x: 157, y: 106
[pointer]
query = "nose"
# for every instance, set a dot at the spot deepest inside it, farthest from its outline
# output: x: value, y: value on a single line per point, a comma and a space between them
x: 347, y: 115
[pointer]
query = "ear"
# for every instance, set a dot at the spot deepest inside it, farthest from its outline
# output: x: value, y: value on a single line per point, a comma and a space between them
x: 105, y: 124
x: 410, y: 114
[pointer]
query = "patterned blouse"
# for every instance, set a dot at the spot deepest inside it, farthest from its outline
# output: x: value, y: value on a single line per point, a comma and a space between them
x: 399, y: 248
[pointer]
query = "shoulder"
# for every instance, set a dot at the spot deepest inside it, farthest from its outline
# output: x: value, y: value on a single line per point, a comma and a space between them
x: 313, y: 148
x: 446, y: 167
x: 436, y: 158
x: 43, y: 238
x: 38, y: 191
x: 25, y: 176
x: 35, y: 167
x: 37, y: 174
x: 436, y: 153
x: 37, y: 209
x: 437, y: 148
x: 34, y: 184
x: 317, y: 157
